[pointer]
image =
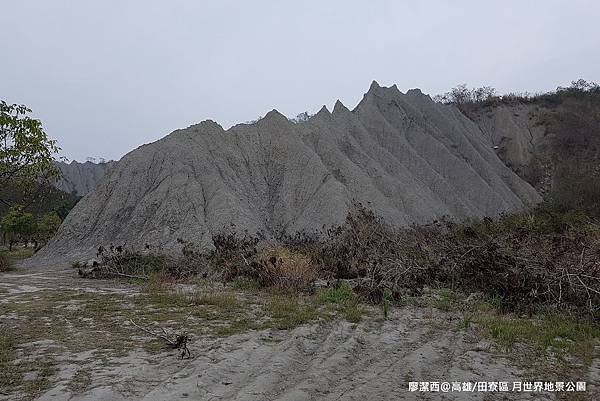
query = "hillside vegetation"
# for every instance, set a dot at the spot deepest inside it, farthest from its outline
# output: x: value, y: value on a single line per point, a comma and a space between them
x: 552, y: 140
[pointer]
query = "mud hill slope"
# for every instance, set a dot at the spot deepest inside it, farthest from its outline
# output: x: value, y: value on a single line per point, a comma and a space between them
x: 406, y: 157
x: 515, y: 130
x: 548, y: 139
x: 81, y: 178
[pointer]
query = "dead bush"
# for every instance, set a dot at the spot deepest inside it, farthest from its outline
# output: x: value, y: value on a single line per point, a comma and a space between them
x: 284, y: 268
x: 277, y: 266
x: 232, y: 254
x: 4, y: 262
x: 549, y: 257
x: 388, y: 260
x: 511, y: 266
x: 119, y: 261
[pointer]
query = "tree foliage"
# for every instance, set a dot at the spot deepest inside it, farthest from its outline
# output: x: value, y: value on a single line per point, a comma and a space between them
x: 18, y: 225
x: 581, y: 85
x: 39, y: 199
x: 48, y: 225
x: 26, y: 152
x: 462, y: 94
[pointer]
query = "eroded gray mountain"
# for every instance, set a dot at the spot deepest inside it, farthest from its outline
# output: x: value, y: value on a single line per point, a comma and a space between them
x: 81, y: 178
x: 405, y: 157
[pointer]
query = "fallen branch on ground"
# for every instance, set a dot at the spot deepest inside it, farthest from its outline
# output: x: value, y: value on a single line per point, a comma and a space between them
x: 101, y: 272
x: 175, y: 341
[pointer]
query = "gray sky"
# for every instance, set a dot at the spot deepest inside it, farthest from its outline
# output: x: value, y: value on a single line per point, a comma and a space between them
x: 106, y: 76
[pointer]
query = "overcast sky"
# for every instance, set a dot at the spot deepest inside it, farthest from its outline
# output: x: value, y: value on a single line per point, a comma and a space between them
x: 107, y: 76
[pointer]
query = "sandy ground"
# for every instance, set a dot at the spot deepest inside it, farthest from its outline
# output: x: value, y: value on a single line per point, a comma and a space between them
x: 333, y: 360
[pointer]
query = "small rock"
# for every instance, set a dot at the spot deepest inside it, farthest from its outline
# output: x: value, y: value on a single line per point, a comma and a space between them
x: 320, y: 283
x: 474, y: 297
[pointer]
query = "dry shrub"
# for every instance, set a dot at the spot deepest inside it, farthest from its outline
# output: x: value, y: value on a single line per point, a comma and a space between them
x: 118, y: 261
x: 388, y: 261
x: 158, y: 282
x: 548, y: 257
x: 288, y: 266
x: 4, y: 262
x: 231, y: 255
x: 525, y: 268
x: 284, y: 268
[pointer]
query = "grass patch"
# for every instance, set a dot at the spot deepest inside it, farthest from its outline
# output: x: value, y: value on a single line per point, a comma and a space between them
x: 245, y: 284
x: 343, y: 300
x: 80, y: 382
x: 45, y: 370
x: 77, y: 321
x: 12, y: 371
x: 8, y: 258
x: 19, y: 253
x: 352, y: 311
x: 9, y: 376
x: 154, y: 346
x: 157, y: 282
x: 171, y: 299
x: 133, y: 263
x: 544, y: 329
x: 284, y: 268
x: 290, y: 312
x: 560, y: 333
x: 241, y: 326
x: 337, y: 295
x: 490, y: 304
x: 102, y: 304
x: 222, y: 300
x: 447, y: 300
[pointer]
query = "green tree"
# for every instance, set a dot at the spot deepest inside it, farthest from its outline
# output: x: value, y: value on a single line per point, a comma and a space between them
x: 18, y: 225
x: 26, y: 152
x: 47, y: 226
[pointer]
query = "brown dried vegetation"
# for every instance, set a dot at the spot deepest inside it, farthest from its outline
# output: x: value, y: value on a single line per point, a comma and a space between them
x: 550, y: 256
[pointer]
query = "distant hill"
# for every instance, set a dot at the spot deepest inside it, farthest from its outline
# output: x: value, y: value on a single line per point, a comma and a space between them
x: 78, y: 179
x: 81, y: 178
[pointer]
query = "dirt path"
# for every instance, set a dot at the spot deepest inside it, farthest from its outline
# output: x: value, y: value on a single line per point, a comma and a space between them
x: 374, y: 359
x: 37, y: 279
